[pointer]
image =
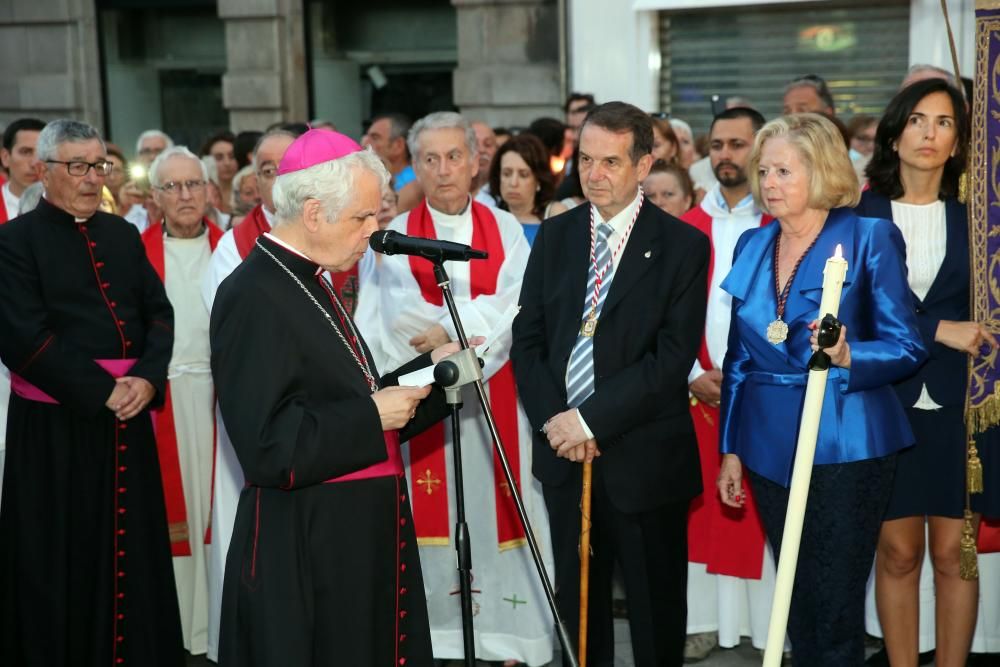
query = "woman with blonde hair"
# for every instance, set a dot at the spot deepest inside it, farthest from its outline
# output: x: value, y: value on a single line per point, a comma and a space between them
x: 800, y: 173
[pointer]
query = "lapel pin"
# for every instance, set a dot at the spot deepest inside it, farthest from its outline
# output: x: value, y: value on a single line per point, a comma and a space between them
x: 649, y: 253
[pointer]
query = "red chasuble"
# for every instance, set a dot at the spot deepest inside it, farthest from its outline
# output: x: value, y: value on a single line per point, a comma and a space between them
x: 255, y: 223
x: 729, y: 541
x: 163, y: 418
x: 427, y: 457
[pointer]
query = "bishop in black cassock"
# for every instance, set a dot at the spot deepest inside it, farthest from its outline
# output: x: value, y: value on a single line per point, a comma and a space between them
x: 323, y: 566
x: 85, y: 571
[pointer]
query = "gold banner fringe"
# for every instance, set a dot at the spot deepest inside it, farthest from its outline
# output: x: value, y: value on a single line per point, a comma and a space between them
x: 985, y: 415
x: 974, y: 470
x: 968, y: 565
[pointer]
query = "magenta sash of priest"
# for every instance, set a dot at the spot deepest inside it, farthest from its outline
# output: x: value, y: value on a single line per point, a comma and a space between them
x: 428, y: 466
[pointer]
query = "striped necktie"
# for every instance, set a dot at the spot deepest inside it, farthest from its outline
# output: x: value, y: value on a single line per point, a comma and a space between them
x: 580, y: 377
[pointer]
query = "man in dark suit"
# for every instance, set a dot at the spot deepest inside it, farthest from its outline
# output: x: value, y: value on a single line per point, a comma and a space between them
x: 612, y: 310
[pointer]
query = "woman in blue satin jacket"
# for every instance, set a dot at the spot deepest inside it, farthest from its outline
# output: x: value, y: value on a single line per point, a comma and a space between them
x: 801, y: 174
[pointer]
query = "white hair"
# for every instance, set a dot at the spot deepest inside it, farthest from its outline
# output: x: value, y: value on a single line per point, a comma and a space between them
x: 173, y: 151
x: 441, y: 120
x: 240, y: 175
x: 63, y: 131
x: 679, y: 124
x: 150, y: 134
x: 330, y: 182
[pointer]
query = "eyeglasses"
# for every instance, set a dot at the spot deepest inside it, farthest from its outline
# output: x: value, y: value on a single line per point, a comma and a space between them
x: 176, y: 187
x: 78, y: 168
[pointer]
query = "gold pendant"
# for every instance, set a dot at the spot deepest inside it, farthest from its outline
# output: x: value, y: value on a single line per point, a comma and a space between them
x: 777, y: 332
x: 589, y: 326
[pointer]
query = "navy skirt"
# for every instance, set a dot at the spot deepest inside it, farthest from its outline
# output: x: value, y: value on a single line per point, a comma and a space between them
x: 930, y: 476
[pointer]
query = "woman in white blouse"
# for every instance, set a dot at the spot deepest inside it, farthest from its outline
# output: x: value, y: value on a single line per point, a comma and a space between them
x: 920, y: 152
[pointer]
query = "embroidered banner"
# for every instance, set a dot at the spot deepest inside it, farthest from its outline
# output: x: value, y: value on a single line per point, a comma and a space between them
x: 983, y: 401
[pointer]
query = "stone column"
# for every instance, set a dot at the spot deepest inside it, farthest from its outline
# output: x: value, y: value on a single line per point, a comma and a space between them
x: 265, y: 81
x: 49, y: 61
x: 508, y: 60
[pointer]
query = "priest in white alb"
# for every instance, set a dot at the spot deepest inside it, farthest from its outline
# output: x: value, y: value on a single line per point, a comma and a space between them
x: 401, y: 312
x: 179, y: 248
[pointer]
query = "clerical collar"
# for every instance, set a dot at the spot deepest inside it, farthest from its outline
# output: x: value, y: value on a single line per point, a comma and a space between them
x: 622, y: 219
x: 274, y: 239
x: 450, y: 218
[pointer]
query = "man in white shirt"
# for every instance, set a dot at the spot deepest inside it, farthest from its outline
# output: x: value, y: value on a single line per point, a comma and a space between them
x: 147, y: 147
x: 730, y: 572
x: 401, y: 313
x: 18, y: 158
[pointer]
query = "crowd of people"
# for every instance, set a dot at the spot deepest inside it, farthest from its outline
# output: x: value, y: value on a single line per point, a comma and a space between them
x: 211, y: 446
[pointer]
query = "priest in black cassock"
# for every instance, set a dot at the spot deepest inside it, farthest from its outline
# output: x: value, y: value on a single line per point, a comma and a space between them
x: 86, y: 330
x: 323, y: 566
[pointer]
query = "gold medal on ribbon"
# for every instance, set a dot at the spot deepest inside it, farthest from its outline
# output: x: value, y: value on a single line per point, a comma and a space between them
x: 589, y: 325
x: 777, y: 332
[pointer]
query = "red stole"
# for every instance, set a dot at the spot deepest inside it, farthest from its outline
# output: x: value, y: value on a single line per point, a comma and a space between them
x: 729, y: 541
x: 428, y: 466
x: 3, y: 207
x: 245, y: 234
x: 163, y: 418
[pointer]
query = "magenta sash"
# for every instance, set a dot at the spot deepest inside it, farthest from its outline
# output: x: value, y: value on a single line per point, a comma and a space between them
x: 115, y: 367
x: 392, y: 467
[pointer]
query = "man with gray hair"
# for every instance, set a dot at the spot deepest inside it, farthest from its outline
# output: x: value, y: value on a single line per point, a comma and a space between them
x: 85, y: 574
x: 323, y: 566
x: 401, y: 312
x: 179, y: 248
x: 232, y: 249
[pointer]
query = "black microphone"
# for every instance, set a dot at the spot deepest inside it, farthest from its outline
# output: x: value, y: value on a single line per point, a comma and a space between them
x: 389, y: 242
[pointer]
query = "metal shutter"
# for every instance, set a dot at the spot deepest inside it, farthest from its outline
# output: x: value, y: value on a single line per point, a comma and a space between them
x: 860, y: 48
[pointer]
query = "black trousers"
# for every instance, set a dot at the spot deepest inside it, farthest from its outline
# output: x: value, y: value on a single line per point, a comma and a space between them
x: 826, y: 624
x: 650, y: 547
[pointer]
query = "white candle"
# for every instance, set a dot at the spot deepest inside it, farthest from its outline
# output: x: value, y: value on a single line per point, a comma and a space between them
x: 798, y: 494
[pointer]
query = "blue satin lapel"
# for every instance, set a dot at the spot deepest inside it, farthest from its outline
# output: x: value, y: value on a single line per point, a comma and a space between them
x: 751, y: 283
x: 807, y: 290
x: 756, y: 255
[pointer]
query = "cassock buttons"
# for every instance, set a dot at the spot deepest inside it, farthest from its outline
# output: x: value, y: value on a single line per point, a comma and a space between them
x: 114, y: 304
x: 402, y: 614
x: 105, y: 285
x: 100, y: 265
x: 93, y: 244
x: 402, y: 591
x: 121, y: 596
x: 402, y: 661
x: 402, y: 545
x: 402, y: 567
x: 402, y: 638
x: 128, y: 343
x: 121, y: 323
x: 402, y: 522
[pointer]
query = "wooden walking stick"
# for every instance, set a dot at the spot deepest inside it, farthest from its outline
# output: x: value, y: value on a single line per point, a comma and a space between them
x: 588, y: 470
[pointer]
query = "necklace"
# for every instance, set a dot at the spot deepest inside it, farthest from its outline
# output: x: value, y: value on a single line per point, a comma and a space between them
x: 344, y: 316
x: 590, y: 324
x: 777, y: 331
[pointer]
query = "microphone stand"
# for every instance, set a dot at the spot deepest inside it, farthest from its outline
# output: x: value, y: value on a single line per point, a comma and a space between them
x: 453, y: 373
